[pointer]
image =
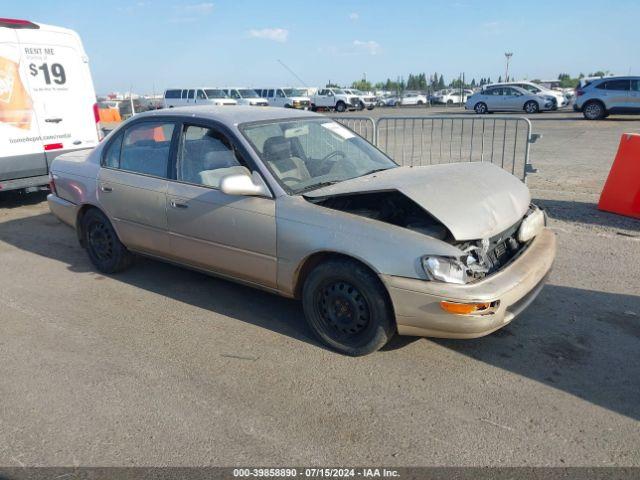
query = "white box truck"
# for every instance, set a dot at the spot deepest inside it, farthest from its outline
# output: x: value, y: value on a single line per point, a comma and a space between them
x: 47, y: 101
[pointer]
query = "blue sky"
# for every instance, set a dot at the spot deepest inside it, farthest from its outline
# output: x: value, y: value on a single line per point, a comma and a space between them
x: 151, y: 45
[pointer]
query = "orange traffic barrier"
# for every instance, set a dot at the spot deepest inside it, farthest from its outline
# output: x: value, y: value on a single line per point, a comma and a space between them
x: 109, y: 115
x: 621, y: 192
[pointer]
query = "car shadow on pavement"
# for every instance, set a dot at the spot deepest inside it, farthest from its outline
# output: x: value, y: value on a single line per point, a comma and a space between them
x: 583, y: 342
x: 17, y: 198
x: 588, y: 213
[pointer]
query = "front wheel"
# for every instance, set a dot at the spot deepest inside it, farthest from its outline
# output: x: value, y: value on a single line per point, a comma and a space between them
x: 481, y: 108
x: 347, y: 307
x: 531, y: 107
x: 105, y: 250
x: 340, y: 107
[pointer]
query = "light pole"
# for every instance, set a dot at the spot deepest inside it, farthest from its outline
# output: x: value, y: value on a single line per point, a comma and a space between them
x: 508, y: 56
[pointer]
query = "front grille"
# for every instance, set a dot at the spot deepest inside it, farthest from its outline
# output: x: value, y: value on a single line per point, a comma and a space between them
x: 355, y: 101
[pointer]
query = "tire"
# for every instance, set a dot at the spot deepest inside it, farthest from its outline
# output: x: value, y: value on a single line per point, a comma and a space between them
x: 420, y: 103
x: 347, y: 307
x: 531, y: 107
x: 481, y: 108
x: 361, y: 106
x: 287, y: 106
x: 340, y: 107
x: 105, y: 250
x: 449, y: 102
x: 314, y: 108
x: 594, y: 111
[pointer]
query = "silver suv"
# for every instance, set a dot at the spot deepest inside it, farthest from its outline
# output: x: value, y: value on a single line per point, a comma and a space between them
x: 610, y: 95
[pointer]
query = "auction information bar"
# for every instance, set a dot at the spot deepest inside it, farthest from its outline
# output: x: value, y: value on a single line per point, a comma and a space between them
x: 408, y: 473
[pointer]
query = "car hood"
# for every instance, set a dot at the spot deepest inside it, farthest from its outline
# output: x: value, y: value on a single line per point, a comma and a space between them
x: 473, y: 200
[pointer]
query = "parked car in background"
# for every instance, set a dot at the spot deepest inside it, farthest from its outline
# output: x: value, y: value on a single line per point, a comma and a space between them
x: 451, y: 96
x: 246, y: 96
x: 334, y: 99
x: 559, y: 97
x: 299, y: 205
x: 388, y: 101
x: 47, y: 101
x: 610, y: 95
x: 367, y: 100
x: 285, y: 97
x: 413, y: 99
x: 175, y: 97
x: 507, y: 98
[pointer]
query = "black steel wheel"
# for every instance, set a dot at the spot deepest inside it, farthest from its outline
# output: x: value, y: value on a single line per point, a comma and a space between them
x: 105, y: 250
x: 347, y: 307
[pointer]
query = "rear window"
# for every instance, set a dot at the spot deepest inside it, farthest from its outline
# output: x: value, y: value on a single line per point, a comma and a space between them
x: 145, y: 148
x: 172, y: 94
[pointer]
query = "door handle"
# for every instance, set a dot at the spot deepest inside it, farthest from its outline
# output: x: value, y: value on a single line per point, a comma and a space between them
x: 106, y: 188
x: 175, y: 204
x: 53, y: 120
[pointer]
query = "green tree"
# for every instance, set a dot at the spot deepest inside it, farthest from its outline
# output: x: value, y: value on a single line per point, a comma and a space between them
x: 363, y: 85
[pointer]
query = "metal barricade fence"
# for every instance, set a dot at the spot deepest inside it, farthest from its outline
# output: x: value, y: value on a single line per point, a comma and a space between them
x: 501, y: 140
x: 363, y: 126
x: 433, y: 139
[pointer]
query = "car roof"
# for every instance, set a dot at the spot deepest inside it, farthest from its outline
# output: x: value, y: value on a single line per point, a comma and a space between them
x: 235, y: 114
x: 619, y: 77
x: 516, y: 83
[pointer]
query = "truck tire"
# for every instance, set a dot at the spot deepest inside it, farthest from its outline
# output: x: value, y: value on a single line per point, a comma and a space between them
x: 341, y: 107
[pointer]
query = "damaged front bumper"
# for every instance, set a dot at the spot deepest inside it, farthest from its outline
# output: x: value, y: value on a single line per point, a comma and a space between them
x: 417, y: 302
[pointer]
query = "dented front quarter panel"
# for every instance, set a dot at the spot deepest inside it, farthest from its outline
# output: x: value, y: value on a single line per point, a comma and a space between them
x: 305, y: 229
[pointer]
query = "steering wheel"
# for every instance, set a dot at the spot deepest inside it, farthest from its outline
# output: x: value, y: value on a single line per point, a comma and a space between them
x: 335, y: 153
x: 345, y: 167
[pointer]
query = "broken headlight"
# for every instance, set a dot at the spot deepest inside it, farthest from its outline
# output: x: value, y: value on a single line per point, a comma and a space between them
x: 445, y: 269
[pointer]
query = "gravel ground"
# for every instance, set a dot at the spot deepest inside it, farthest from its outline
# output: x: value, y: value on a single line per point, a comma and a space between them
x: 163, y: 366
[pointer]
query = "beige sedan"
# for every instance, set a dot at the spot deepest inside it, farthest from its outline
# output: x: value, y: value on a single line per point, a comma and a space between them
x: 296, y: 204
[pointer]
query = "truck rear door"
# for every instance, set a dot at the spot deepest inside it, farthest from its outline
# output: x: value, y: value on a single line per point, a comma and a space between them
x: 60, y: 82
x: 21, y: 151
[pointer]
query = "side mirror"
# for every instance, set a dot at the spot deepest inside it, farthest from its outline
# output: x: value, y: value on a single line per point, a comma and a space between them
x: 244, y: 184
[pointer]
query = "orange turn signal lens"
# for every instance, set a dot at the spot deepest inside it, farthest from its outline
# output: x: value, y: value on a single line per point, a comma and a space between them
x: 465, y: 308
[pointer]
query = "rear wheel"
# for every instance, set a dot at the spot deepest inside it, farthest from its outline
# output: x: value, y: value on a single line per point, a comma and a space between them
x: 594, y: 111
x: 531, y: 107
x: 105, y: 250
x: 420, y: 102
x: 481, y: 108
x: 347, y: 307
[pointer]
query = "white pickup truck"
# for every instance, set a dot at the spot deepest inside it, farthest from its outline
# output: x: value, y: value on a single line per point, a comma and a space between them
x: 334, y: 99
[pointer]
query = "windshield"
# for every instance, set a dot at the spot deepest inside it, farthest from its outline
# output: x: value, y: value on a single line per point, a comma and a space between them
x: 294, y: 92
x: 215, y: 93
x: 307, y: 154
x: 248, y: 93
